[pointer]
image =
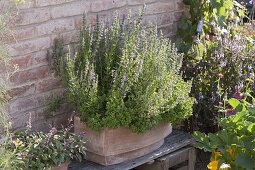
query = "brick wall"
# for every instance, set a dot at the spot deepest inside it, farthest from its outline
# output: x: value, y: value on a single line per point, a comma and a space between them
x: 33, y: 32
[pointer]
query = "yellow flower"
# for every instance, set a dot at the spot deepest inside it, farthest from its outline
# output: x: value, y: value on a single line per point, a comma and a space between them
x: 17, y: 142
x: 213, y: 165
x: 216, y: 155
x: 232, y: 151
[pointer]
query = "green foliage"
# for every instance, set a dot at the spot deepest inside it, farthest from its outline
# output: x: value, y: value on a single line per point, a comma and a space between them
x: 26, y: 149
x: 7, y: 159
x: 126, y: 74
x: 219, y: 59
x: 38, y: 150
x: 235, y: 142
x: 215, y: 14
x: 54, y: 103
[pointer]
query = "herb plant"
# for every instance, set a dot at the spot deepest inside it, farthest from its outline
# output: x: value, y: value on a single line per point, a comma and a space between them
x: 218, y: 57
x: 125, y: 74
x: 7, y: 158
x: 39, y: 150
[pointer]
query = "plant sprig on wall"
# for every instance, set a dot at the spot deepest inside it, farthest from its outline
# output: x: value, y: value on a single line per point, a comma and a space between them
x: 126, y: 74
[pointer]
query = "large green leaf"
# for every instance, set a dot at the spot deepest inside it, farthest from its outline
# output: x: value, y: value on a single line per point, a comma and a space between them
x: 215, y: 140
x: 245, y: 161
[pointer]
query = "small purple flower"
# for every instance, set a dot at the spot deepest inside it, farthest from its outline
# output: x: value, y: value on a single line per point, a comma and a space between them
x: 238, y: 95
x: 229, y: 112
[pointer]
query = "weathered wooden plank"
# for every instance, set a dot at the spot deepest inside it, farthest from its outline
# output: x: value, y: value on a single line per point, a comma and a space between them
x: 177, y: 157
x: 183, y: 168
x: 169, y: 160
x: 192, y: 159
x: 173, y: 142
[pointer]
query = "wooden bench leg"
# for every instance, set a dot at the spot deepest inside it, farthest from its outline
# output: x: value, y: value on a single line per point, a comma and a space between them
x: 192, y: 159
x: 173, y: 161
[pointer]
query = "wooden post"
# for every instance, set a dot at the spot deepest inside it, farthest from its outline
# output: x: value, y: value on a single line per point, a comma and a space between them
x: 192, y: 159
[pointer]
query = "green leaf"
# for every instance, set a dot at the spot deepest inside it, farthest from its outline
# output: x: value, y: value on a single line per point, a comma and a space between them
x: 234, y: 102
x: 222, y: 11
x: 251, y: 128
x: 239, y: 115
x: 215, y: 140
x: 251, y: 110
x: 245, y: 161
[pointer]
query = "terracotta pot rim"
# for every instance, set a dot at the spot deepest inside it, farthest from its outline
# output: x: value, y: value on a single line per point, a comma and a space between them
x: 124, y: 127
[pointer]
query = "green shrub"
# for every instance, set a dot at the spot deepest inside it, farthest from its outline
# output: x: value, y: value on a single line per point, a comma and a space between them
x: 234, y: 145
x: 7, y: 158
x: 38, y: 150
x: 126, y: 74
x: 218, y: 58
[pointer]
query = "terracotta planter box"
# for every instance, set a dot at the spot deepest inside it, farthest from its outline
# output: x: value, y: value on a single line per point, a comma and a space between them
x: 112, y: 146
x: 63, y: 166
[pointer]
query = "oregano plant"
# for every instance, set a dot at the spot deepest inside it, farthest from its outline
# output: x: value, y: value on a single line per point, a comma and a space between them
x: 125, y: 74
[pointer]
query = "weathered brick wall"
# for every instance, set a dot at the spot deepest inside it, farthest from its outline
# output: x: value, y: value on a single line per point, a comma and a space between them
x: 39, y: 22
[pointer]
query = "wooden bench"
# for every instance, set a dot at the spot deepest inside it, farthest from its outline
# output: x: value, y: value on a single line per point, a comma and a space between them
x: 176, y: 153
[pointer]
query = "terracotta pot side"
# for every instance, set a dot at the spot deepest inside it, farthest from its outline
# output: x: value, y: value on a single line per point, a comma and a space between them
x: 111, y: 146
x: 115, y: 159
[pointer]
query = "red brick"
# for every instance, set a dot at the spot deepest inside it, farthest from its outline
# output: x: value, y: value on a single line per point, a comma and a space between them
x: 21, y: 118
x: 74, y: 8
x: 68, y: 37
x: 21, y: 62
x: 25, y: 76
x: 151, y: 19
x: 50, y: 2
x: 90, y: 19
x: 40, y: 113
x: 141, y: 2
x: 29, y: 46
x: 169, y: 29
x: 24, y: 33
x: 48, y: 84
x: 40, y: 58
x: 26, y: 4
x: 22, y: 48
x: 160, y: 7
x: 31, y: 16
x: 22, y: 91
x: 21, y: 104
x: 135, y: 10
x: 55, y: 26
x: 102, y: 5
x: 166, y: 18
x: 16, y: 63
x: 160, y: 19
